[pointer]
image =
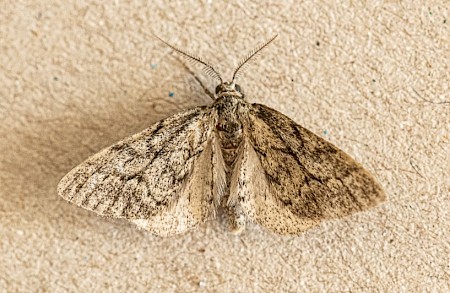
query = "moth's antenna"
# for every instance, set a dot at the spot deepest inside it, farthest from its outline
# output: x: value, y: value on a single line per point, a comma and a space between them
x: 250, y: 55
x: 191, y: 57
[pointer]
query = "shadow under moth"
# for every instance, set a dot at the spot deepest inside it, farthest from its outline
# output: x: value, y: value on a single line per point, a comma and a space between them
x: 247, y: 159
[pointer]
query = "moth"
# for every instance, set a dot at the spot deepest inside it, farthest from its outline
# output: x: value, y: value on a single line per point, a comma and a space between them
x: 249, y: 160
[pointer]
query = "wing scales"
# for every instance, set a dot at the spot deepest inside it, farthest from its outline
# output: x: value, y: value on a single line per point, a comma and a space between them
x: 290, y: 179
x: 164, y: 171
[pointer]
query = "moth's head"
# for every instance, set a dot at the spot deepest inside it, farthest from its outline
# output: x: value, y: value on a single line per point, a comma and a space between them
x: 229, y: 89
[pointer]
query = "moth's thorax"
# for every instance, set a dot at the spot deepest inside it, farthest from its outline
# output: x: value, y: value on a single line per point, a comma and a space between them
x: 229, y: 125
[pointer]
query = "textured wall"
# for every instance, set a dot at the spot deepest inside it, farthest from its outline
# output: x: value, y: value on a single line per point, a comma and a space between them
x: 76, y: 76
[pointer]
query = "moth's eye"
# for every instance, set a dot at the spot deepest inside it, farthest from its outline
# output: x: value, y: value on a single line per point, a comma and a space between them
x: 218, y: 88
x: 237, y: 87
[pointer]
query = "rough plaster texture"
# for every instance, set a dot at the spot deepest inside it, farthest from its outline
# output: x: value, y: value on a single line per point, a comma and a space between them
x: 373, y: 78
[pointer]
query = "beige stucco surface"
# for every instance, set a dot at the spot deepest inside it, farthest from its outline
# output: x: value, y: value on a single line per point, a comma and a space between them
x: 76, y: 76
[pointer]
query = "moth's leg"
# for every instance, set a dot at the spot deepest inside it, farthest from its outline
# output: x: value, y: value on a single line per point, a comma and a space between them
x: 236, y: 219
x: 207, y: 91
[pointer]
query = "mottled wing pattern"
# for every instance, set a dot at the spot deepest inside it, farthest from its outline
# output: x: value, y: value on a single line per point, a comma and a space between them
x: 163, y: 178
x: 288, y: 179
